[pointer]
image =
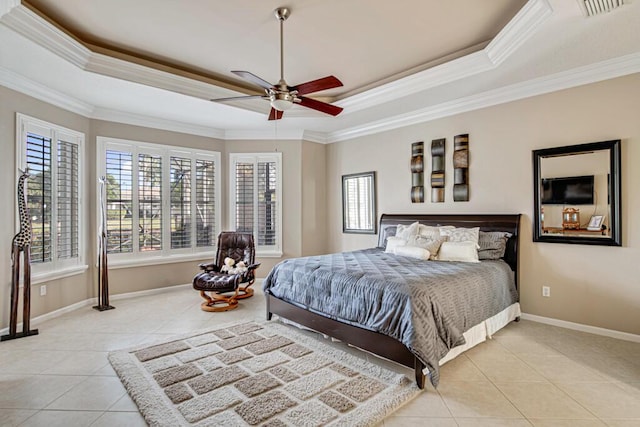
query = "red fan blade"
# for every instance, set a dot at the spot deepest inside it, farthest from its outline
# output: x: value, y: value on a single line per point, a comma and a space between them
x: 233, y: 98
x: 253, y: 79
x: 324, y: 83
x: 320, y: 106
x: 275, y: 114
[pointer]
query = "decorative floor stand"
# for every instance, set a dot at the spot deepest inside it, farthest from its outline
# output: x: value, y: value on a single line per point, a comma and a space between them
x: 21, y: 244
x: 103, y: 271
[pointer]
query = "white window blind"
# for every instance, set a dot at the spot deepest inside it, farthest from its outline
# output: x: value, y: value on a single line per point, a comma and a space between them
x: 155, y: 202
x: 256, y: 199
x: 52, y: 155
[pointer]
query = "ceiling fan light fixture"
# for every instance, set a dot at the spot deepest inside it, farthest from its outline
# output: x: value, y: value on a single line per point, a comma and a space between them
x: 282, y: 101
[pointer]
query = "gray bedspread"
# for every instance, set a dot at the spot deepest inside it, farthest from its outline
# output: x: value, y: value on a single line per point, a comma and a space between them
x: 426, y: 305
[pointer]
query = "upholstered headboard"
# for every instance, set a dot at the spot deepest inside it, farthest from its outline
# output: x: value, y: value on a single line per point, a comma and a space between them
x: 489, y: 222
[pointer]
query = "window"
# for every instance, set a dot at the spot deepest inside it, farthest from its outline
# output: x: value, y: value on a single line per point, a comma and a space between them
x: 256, y: 199
x: 161, y: 201
x: 359, y: 203
x: 53, y: 156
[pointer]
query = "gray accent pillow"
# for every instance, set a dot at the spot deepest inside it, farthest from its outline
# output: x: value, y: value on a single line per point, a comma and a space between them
x: 492, y: 244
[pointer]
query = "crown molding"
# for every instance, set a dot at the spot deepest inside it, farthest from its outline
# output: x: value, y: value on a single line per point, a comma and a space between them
x: 526, y: 22
x: 605, y: 70
x: 266, y: 134
x: 156, y: 123
x: 7, y: 5
x: 44, y: 93
x: 29, y: 24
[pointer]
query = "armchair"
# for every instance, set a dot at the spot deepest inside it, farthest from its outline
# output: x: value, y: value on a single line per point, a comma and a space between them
x: 216, y: 286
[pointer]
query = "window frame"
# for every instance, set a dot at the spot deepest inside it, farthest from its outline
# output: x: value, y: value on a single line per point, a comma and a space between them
x: 365, y: 204
x: 271, y: 251
x: 58, y: 267
x: 166, y: 254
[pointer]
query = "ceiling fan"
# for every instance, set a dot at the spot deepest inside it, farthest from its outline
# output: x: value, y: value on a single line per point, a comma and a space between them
x: 282, y: 96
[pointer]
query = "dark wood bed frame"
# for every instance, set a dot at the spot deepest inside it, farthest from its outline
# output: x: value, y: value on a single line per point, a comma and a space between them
x: 383, y: 345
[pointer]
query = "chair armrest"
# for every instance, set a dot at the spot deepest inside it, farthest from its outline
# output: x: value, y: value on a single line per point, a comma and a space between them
x: 209, y: 267
x: 253, y: 266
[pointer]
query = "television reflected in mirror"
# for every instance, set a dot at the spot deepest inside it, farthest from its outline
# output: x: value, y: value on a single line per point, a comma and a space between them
x: 573, y: 185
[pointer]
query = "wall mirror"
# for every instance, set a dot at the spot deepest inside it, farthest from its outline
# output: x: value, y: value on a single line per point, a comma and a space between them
x: 359, y: 203
x: 577, y: 194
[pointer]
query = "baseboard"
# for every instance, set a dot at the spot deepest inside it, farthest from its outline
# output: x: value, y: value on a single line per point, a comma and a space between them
x: 582, y: 328
x: 92, y: 301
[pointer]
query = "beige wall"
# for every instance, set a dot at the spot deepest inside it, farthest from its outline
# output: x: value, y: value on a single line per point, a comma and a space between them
x: 592, y: 285
x: 314, y: 199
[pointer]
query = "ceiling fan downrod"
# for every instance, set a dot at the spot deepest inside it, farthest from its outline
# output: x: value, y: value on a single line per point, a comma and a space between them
x: 282, y: 13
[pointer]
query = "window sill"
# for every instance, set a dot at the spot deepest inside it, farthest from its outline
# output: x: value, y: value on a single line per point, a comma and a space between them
x: 268, y: 254
x: 115, y: 264
x: 48, y: 276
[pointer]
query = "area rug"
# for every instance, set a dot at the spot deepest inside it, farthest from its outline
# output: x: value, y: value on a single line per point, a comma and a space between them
x: 265, y: 374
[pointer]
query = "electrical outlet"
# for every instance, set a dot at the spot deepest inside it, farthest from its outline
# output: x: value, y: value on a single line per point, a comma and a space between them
x: 43, y: 290
x: 546, y: 291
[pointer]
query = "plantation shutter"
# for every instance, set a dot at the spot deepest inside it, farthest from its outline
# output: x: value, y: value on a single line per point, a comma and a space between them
x: 119, y: 200
x: 39, y: 196
x: 67, y: 200
x: 180, y: 183
x: 244, y: 197
x: 358, y: 210
x: 267, y: 203
x: 205, y: 203
x: 149, y: 202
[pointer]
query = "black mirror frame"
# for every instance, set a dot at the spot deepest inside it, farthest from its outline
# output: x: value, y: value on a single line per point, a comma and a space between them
x: 374, y: 212
x: 615, y: 220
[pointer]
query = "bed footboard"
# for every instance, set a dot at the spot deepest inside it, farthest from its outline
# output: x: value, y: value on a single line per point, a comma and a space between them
x: 378, y: 344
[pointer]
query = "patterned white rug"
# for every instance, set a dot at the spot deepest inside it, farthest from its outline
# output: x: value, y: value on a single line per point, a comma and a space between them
x: 264, y: 374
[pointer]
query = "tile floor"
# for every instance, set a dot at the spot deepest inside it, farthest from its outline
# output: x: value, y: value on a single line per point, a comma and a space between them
x: 529, y: 374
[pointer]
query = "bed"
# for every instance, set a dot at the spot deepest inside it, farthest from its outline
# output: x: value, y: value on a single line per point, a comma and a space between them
x: 414, y: 312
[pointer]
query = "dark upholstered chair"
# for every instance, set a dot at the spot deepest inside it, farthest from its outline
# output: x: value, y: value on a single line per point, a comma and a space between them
x: 222, y: 290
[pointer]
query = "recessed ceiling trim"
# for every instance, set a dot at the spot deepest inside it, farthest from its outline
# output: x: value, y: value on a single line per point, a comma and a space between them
x: 605, y: 70
x: 617, y: 67
x: 28, y: 23
x: 268, y: 135
x: 44, y: 93
x: 526, y: 22
x: 522, y: 26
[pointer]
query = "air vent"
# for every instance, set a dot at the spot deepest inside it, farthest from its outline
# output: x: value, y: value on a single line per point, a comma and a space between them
x: 596, y: 7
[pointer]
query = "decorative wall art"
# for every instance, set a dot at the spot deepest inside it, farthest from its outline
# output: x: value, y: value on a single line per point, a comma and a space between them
x: 417, y: 172
x: 461, y: 168
x: 437, y: 170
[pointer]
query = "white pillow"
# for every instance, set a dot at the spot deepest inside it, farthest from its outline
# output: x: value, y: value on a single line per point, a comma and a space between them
x: 458, y: 251
x: 393, y: 243
x: 428, y: 231
x: 428, y: 243
x: 461, y: 234
x: 406, y: 232
x: 413, y: 252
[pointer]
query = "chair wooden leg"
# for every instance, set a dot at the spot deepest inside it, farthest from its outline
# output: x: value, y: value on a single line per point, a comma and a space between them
x: 217, y: 302
x: 245, y: 291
